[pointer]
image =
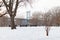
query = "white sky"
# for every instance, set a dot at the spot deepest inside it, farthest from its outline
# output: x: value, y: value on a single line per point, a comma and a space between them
x: 38, y: 5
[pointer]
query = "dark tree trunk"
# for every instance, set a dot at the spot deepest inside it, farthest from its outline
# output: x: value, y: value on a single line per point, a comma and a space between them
x: 47, y: 31
x: 12, y: 23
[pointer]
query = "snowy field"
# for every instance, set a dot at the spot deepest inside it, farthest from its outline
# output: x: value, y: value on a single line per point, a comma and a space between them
x: 29, y: 33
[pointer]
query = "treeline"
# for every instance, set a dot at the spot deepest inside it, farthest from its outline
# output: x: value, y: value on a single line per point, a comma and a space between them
x: 50, y: 18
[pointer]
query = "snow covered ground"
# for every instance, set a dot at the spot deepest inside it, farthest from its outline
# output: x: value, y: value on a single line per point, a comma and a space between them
x: 29, y: 33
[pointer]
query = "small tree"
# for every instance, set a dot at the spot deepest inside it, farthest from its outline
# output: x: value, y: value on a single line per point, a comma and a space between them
x: 52, y: 18
x: 47, y: 21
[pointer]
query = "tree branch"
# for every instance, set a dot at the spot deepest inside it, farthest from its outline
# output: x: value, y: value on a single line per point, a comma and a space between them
x: 6, y: 5
x: 3, y: 14
x: 15, y: 10
x: 5, y: 2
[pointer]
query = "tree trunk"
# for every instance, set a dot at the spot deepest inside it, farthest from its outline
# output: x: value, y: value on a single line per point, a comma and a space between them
x: 12, y: 23
x: 47, y: 31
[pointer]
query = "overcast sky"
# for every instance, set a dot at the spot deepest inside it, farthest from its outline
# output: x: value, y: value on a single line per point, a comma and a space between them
x: 38, y: 5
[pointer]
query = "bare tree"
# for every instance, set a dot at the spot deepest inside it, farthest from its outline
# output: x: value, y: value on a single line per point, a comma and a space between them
x: 52, y: 18
x: 11, y: 12
x: 47, y: 21
x: 56, y: 16
x: 11, y: 7
x: 36, y: 17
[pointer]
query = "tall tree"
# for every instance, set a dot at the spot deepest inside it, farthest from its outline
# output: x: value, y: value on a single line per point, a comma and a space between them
x: 11, y: 11
x: 11, y: 7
